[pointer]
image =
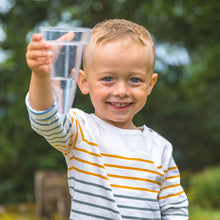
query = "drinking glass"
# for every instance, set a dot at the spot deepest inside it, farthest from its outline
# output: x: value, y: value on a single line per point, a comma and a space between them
x: 67, y: 47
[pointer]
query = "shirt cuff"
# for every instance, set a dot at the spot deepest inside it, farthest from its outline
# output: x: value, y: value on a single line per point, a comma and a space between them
x: 39, y: 114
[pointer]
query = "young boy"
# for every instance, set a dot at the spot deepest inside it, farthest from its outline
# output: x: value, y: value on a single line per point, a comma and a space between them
x: 115, y: 169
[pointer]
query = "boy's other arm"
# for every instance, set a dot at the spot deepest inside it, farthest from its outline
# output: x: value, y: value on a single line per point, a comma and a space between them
x: 172, y: 198
x: 38, y: 59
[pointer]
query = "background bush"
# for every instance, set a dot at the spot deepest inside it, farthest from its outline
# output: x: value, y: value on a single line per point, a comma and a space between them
x: 205, y: 187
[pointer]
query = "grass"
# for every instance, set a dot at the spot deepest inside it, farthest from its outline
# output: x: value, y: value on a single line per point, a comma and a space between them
x: 199, y: 213
x: 26, y: 212
x: 22, y: 212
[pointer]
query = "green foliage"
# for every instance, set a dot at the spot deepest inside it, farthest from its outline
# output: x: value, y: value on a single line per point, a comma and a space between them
x: 200, y: 213
x: 22, y: 151
x: 205, y: 188
x: 186, y: 111
x: 183, y: 106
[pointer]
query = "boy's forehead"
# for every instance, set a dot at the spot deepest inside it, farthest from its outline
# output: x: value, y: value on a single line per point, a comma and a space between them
x: 121, y: 44
x: 131, y: 38
x: 118, y: 45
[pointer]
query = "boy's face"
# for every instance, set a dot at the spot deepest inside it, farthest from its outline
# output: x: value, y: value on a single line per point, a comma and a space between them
x: 118, y: 80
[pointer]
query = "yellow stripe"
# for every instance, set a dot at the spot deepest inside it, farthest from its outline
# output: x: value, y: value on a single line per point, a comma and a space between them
x: 133, y: 168
x: 58, y: 145
x: 88, y: 152
x: 127, y: 158
x: 75, y: 139
x: 64, y: 151
x: 63, y: 146
x: 171, y: 177
x: 134, y: 188
x: 87, y: 172
x: 171, y: 168
x: 167, y: 187
x: 176, y: 194
x: 85, y: 161
x: 81, y: 132
x: 76, y: 136
x: 133, y: 178
x: 69, y: 144
x: 85, y: 140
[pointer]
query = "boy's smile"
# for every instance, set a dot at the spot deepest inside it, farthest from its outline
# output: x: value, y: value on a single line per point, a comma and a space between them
x: 118, y: 79
x: 121, y: 106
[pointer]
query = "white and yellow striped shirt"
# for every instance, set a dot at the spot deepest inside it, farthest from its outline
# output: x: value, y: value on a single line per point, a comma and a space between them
x: 114, y: 173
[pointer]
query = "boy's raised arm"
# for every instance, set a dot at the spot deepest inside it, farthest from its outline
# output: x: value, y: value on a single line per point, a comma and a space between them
x: 38, y: 58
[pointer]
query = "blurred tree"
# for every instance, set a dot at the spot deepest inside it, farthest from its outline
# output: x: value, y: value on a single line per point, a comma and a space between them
x: 183, y: 107
x: 22, y: 151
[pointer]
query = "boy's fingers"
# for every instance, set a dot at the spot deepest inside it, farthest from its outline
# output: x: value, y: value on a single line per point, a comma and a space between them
x: 37, y: 37
x: 38, y: 62
x: 40, y: 65
x: 67, y: 37
x: 38, y: 46
x: 39, y: 54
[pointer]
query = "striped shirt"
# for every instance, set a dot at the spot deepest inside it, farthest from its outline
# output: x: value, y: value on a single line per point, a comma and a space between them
x: 113, y: 173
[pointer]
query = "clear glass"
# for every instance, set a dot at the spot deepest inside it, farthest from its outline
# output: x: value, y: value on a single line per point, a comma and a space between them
x: 67, y: 47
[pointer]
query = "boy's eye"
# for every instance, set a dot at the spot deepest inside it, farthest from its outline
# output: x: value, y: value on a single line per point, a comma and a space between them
x: 108, y: 79
x: 135, y: 80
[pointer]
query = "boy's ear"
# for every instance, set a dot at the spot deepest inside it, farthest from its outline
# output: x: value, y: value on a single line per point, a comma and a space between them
x: 153, y: 81
x: 83, y: 83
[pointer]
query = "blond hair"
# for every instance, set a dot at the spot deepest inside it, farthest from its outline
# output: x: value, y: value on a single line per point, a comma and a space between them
x: 115, y: 29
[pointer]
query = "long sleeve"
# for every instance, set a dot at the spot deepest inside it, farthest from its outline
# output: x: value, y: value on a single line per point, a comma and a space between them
x: 172, y: 198
x: 57, y: 129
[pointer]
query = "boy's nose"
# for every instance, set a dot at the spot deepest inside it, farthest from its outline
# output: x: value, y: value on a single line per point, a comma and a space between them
x: 121, y: 89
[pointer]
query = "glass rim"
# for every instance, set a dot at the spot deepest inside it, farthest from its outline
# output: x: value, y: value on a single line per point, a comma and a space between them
x: 64, y: 29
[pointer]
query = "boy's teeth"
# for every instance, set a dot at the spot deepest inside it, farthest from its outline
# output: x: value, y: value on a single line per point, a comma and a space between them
x: 120, y: 104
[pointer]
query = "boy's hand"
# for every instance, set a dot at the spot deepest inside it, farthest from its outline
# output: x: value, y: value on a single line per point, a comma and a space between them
x: 39, y: 55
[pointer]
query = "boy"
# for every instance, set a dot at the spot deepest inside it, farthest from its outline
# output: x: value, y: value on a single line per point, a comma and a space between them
x: 115, y: 169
